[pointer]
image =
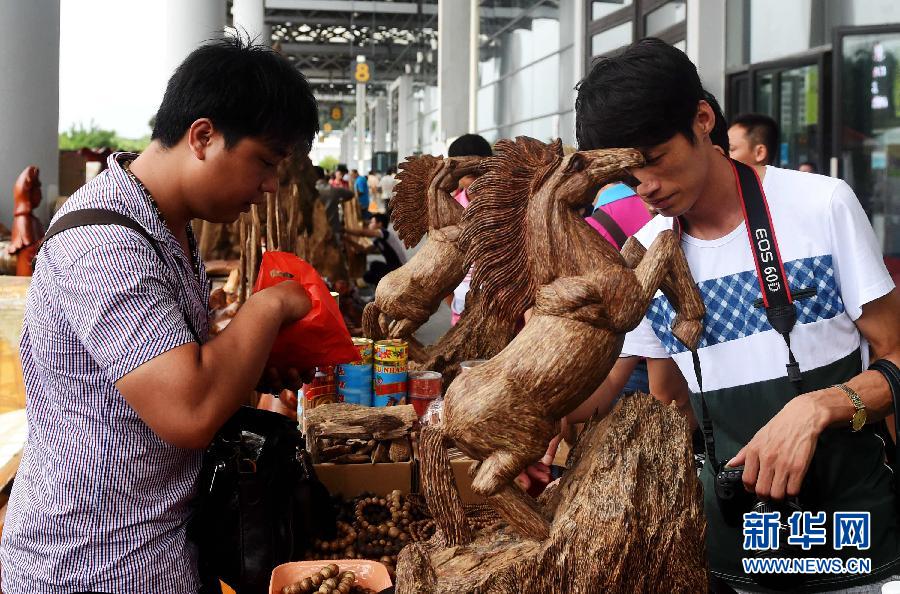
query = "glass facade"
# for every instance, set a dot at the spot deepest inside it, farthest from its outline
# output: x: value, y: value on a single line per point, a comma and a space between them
x: 614, y: 24
x: 764, y: 30
x: 613, y: 38
x: 870, y: 129
x: 606, y: 8
x: 526, y: 70
x: 794, y: 60
x: 669, y: 14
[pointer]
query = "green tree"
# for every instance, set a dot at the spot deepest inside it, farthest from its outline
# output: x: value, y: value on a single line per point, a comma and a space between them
x: 77, y: 137
x: 329, y: 163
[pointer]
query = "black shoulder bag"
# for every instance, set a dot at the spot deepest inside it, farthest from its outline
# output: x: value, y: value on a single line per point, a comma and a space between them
x: 259, y: 502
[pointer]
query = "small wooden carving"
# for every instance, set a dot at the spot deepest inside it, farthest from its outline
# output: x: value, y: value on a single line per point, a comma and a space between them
x: 421, y: 204
x: 407, y: 297
x: 27, y: 230
x: 349, y: 433
x: 626, y: 518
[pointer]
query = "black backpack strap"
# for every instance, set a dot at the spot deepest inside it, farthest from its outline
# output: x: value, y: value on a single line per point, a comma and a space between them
x: 101, y: 216
x: 611, y: 227
x: 98, y: 216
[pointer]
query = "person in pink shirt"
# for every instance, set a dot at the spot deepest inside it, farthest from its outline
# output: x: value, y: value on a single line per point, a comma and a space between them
x: 619, y: 214
x: 467, y: 145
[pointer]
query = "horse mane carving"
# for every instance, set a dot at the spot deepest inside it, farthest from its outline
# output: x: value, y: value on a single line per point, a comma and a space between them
x: 414, y: 180
x: 495, y: 236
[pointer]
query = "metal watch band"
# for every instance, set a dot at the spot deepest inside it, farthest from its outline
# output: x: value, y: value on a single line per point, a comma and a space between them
x: 854, y: 398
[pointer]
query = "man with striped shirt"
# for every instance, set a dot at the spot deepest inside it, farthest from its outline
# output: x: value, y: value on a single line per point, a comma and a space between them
x: 124, y: 389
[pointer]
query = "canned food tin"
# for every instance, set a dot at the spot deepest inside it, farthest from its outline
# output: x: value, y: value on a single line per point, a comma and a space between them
x: 391, y: 351
x: 424, y: 383
x: 366, y: 348
x: 354, y: 383
x: 422, y: 388
x: 389, y: 385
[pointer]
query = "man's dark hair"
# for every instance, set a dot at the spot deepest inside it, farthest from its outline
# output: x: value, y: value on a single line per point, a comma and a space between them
x: 760, y: 129
x: 638, y: 99
x: 470, y: 145
x: 247, y: 90
x: 382, y: 218
x: 719, y: 134
x: 811, y: 165
x: 320, y: 173
x: 342, y: 169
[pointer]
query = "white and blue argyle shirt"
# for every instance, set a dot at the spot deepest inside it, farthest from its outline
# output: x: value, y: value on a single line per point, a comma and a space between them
x: 833, y: 264
x: 100, y: 503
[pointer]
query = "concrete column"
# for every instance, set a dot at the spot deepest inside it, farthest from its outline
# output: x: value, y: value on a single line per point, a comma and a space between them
x: 474, y: 45
x: 406, y: 117
x: 29, y: 96
x: 706, y: 44
x: 249, y: 16
x: 454, y: 50
x: 188, y: 25
x: 380, y: 125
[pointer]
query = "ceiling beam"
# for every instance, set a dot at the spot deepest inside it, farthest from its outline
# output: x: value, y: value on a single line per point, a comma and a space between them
x: 364, y: 20
x: 345, y: 49
x: 361, y: 6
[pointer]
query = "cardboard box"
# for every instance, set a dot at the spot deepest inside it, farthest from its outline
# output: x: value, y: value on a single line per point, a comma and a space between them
x: 349, y: 480
x: 460, y: 468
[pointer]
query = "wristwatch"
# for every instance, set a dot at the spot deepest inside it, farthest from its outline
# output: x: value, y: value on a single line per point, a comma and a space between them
x: 859, y: 417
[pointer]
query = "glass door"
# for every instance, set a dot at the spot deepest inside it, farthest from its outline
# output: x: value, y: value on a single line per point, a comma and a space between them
x: 867, y: 138
x: 790, y: 91
x: 798, y: 117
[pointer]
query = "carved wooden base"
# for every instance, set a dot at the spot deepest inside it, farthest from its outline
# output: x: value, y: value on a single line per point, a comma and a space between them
x: 626, y: 517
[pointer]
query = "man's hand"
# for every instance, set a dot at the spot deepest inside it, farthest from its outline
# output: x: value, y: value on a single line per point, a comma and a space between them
x: 292, y: 298
x: 777, y: 458
x: 539, y: 472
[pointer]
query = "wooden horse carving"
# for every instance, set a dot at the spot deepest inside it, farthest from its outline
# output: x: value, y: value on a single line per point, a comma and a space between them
x: 631, y: 477
x: 27, y: 230
x: 530, y: 246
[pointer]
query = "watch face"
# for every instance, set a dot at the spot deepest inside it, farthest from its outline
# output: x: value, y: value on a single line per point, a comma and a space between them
x: 859, y: 420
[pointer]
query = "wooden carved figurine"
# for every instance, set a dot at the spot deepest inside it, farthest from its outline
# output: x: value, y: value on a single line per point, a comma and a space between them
x: 27, y: 230
x: 530, y: 247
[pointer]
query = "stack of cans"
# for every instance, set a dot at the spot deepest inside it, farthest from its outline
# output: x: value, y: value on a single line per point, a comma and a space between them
x: 354, y: 380
x: 391, y: 365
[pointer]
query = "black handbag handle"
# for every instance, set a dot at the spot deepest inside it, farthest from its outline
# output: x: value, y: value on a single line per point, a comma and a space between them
x: 892, y: 374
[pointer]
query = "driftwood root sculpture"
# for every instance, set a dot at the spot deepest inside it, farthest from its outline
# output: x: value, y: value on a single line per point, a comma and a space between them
x: 627, y: 517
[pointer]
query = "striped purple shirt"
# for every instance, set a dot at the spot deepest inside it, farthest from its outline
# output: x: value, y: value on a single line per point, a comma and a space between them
x: 100, y: 503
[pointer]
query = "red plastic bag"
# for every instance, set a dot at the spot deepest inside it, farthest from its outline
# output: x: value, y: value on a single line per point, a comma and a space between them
x: 319, y: 339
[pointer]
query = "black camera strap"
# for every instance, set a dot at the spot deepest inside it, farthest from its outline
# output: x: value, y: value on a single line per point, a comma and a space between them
x: 776, y: 294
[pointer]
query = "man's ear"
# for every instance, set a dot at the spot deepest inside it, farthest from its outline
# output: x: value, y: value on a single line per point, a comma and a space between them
x: 704, y: 120
x: 200, y: 136
x: 761, y: 154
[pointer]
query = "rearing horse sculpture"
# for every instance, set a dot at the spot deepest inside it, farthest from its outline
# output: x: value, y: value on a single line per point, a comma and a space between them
x: 530, y: 246
x: 421, y: 204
